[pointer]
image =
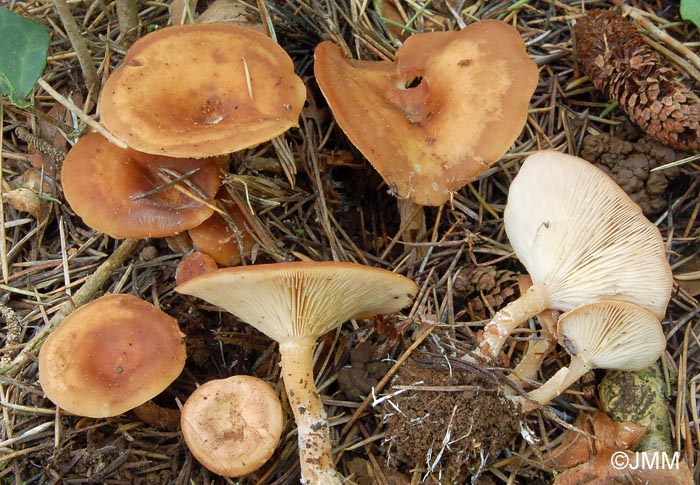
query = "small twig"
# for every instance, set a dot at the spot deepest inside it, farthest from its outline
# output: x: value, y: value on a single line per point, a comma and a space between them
x: 78, y: 42
x: 84, y: 117
x: 4, y: 263
x: 640, y: 17
x: 176, y: 180
x: 165, y: 174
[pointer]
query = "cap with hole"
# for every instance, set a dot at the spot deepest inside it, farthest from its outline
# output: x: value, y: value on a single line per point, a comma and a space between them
x: 450, y: 106
x: 126, y: 193
x: 111, y: 355
x: 232, y: 426
x: 294, y: 304
x: 202, y: 90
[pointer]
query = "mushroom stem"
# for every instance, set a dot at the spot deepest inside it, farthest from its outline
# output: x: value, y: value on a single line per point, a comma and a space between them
x: 537, y: 350
x: 315, y: 451
x: 530, y: 303
x: 413, y: 227
x: 532, y: 360
x: 558, y: 383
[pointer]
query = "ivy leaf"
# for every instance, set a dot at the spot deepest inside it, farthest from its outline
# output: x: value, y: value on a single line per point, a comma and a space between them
x: 25, y: 44
x: 690, y: 10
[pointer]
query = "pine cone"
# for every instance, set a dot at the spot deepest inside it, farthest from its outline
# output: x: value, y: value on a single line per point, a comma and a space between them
x: 482, y: 288
x: 623, y: 66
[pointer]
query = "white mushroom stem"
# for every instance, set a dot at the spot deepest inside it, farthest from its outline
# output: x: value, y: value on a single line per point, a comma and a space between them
x: 558, y: 383
x: 530, y: 303
x: 312, y: 424
x: 537, y: 350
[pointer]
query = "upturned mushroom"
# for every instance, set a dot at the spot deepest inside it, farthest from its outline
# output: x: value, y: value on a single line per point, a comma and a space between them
x: 609, y: 334
x: 202, y: 90
x: 111, y: 355
x: 294, y: 304
x: 581, y: 239
x: 123, y: 193
x: 233, y: 426
x: 449, y: 107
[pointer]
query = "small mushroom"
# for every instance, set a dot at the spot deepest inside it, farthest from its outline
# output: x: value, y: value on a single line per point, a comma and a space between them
x: 294, y: 304
x: 217, y: 238
x: 111, y: 355
x: 608, y: 334
x: 125, y: 193
x: 194, y: 264
x: 450, y: 106
x: 202, y: 90
x: 581, y: 239
x: 233, y: 426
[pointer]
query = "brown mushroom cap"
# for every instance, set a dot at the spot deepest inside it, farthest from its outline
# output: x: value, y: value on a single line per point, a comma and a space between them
x: 202, y: 90
x: 232, y: 426
x: 194, y: 264
x: 110, y: 356
x: 287, y: 301
x: 450, y: 106
x: 216, y: 237
x: 100, y: 182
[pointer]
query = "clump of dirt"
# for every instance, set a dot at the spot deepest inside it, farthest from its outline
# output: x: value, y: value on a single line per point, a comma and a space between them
x: 451, y: 426
x: 629, y: 163
x: 357, y: 380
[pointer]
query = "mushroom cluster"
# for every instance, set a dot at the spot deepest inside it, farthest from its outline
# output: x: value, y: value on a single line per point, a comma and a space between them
x: 591, y: 254
x: 184, y: 98
x: 581, y: 239
x: 294, y: 304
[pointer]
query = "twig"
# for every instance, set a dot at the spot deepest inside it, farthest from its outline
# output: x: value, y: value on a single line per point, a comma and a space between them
x: 3, y: 240
x: 82, y: 296
x: 78, y: 42
x: 84, y: 117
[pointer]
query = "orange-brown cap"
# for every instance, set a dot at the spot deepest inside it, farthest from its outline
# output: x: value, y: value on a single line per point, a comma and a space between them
x: 216, y: 237
x: 232, y: 426
x: 202, y: 90
x: 450, y: 106
x: 111, y: 355
x: 105, y: 184
x: 194, y: 264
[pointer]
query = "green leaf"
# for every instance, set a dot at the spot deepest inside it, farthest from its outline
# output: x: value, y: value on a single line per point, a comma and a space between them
x: 25, y: 44
x: 690, y: 10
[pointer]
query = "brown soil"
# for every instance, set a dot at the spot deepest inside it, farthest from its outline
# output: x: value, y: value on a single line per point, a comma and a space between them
x: 357, y: 380
x: 629, y: 163
x: 450, y: 432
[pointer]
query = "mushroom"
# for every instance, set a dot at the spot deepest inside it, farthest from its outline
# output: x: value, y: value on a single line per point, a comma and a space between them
x: 294, y: 304
x: 111, y: 355
x: 194, y: 264
x: 125, y: 194
x: 232, y: 426
x: 581, y: 239
x: 217, y: 238
x: 202, y: 90
x: 449, y: 107
x: 609, y: 334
